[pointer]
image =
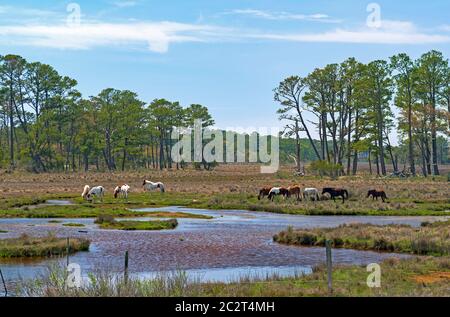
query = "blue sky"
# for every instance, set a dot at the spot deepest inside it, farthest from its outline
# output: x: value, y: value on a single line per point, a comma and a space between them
x: 225, y: 54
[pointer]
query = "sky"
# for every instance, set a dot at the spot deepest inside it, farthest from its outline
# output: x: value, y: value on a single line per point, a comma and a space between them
x: 225, y: 54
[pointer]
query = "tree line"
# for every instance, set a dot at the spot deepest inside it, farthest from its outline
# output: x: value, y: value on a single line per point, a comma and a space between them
x: 352, y: 103
x: 46, y: 124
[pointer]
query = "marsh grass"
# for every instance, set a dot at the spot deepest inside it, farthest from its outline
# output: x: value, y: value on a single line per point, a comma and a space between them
x: 73, y: 225
x: 26, y: 246
x: 426, y: 240
x: 403, y: 277
x: 108, y: 222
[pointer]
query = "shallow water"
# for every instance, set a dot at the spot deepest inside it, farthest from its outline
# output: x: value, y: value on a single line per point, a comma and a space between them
x: 232, y: 244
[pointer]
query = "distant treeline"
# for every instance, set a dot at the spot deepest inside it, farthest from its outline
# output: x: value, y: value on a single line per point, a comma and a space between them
x: 352, y: 106
x: 307, y: 154
x: 46, y: 124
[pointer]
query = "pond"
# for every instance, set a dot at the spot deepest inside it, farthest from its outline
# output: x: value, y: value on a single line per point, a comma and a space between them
x: 233, y: 243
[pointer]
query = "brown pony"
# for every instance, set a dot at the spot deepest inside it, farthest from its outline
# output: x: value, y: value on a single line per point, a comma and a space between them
x: 263, y: 192
x: 296, y: 191
x: 377, y: 193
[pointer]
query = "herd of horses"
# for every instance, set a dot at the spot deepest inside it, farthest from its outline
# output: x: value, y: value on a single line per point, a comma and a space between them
x: 313, y: 193
x: 295, y: 191
x: 121, y: 191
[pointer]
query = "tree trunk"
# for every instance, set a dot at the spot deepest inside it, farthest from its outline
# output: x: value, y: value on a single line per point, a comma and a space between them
x: 349, y: 142
x: 412, y: 164
x: 434, y: 135
x: 161, y: 151
x: 380, y: 143
x: 11, y: 130
x: 427, y: 155
x: 124, y: 158
x: 86, y: 162
x: 297, y: 146
x: 309, y: 135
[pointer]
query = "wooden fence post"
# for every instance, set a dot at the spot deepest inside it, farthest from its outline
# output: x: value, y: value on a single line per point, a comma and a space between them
x: 4, y: 284
x: 68, y: 250
x: 126, y: 267
x: 329, y: 266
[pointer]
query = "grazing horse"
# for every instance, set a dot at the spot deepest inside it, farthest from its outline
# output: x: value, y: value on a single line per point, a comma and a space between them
x: 263, y: 192
x: 122, y: 191
x: 296, y: 191
x: 336, y: 192
x: 149, y: 186
x: 85, y: 191
x: 311, y: 193
x: 277, y: 191
x: 97, y: 191
x: 377, y: 193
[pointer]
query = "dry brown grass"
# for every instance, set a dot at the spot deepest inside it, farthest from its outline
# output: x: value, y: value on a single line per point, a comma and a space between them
x: 224, y: 179
x: 427, y: 240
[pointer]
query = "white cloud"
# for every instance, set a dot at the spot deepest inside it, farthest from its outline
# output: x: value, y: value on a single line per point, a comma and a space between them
x: 361, y: 37
x: 445, y: 28
x: 157, y: 36
x: 318, y: 17
x: 125, y: 3
x: 390, y: 32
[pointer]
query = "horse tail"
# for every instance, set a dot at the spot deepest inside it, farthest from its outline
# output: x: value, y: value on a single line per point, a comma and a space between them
x: 346, y: 193
x: 384, y: 195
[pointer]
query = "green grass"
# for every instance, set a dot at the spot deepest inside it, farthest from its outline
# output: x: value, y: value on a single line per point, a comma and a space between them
x: 433, y: 239
x: 356, y: 206
x: 108, y: 222
x: 3, y: 231
x: 26, y: 246
x: 17, y: 202
x: 73, y: 225
x: 418, y: 276
x: 86, y: 210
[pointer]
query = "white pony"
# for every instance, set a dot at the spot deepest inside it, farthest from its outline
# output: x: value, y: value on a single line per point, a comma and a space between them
x: 149, y: 186
x: 311, y: 193
x: 97, y: 191
x: 122, y: 191
x: 85, y: 191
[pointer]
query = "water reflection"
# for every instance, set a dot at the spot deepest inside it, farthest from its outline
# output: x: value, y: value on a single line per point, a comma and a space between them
x: 231, y: 244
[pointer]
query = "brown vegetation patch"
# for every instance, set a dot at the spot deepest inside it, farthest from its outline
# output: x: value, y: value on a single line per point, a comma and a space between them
x: 434, y: 277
